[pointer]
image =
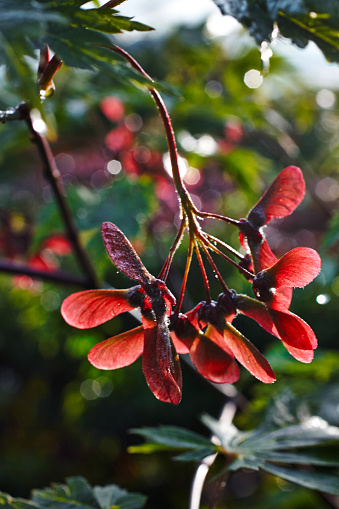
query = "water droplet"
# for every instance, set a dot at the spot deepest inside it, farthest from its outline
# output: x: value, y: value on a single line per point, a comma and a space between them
x: 266, y: 53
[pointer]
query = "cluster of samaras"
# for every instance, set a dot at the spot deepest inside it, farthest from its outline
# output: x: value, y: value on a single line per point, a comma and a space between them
x: 205, y: 332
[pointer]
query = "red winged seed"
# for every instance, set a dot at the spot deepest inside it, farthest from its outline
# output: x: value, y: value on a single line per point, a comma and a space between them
x: 297, y: 336
x: 119, y: 351
x: 160, y: 364
x: 282, y: 197
x: 296, y: 268
x: 246, y: 353
x: 123, y: 254
x: 266, y: 257
x: 256, y: 311
x: 90, y: 308
x: 212, y: 362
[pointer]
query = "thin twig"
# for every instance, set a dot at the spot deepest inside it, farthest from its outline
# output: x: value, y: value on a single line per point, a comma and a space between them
x: 230, y: 249
x: 52, y: 175
x: 184, y: 280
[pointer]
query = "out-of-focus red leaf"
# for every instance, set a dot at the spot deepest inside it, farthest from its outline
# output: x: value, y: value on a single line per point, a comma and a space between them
x: 113, y: 108
x: 160, y: 364
x: 59, y: 245
x: 123, y: 254
x: 119, y: 351
x: 282, y: 197
x: 90, y: 308
x: 119, y: 139
x: 40, y: 262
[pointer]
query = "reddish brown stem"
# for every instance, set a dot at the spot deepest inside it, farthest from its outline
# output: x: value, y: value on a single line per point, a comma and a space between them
x: 205, y: 215
x: 207, y: 244
x: 245, y: 272
x: 129, y: 58
x: 165, y: 269
x: 203, y: 272
x: 184, y: 281
x: 223, y: 244
x: 172, y: 146
x: 173, y: 152
x: 215, y: 268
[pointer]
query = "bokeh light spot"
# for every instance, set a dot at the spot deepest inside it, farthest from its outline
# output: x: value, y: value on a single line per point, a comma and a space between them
x: 213, y: 89
x: 325, y: 98
x: 183, y: 165
x: 192, y: 176
x: 323, y: 299
x: 253, y: 79
x: 114, y: 167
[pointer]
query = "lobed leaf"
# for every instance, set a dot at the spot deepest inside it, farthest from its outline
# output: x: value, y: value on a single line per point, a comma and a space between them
x: 294, y: 21
x: 320, y: 481
x: 310, y: 433
x: 107, y: 21
x: 8, y: 502
x: 78, y: 494
x: 326, y: 457
x: 174, y: 437
x: 76, y: 35
x: 114, y: 496
x: 196, y: 455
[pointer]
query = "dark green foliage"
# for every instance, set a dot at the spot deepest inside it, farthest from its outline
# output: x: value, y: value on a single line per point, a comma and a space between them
x: 302, y: 21
x: 331, y: 238
x: 77, y: 493
x: 76, y: 35
x: 171, y: 437
x: 288, y: 439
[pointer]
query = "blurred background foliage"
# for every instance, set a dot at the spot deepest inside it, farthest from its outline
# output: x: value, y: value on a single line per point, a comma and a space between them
x: 59, y: 416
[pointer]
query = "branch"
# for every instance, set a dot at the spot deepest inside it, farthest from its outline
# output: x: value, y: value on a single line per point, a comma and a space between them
x: 52, y: 175
x: 54, y: 276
